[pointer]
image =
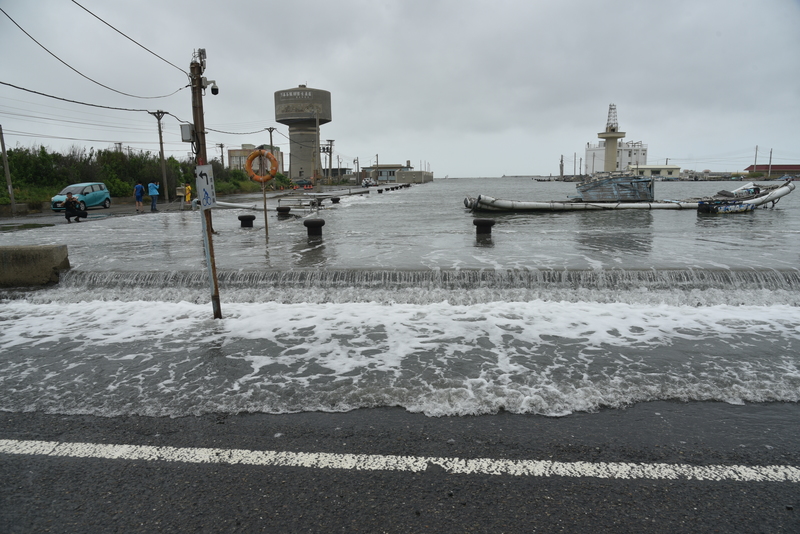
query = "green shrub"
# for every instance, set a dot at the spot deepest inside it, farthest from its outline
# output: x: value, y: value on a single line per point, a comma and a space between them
x: 118, y: 188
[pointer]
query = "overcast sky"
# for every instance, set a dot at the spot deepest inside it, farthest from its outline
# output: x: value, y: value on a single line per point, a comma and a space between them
x: 468, y: 88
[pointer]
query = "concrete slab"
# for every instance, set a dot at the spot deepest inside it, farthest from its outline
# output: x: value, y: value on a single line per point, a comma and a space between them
x: 23, y: 266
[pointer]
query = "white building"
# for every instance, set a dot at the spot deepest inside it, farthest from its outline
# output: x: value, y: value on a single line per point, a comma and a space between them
x: 663, y: 172
x: 629, y: 154
x: 237, y: 157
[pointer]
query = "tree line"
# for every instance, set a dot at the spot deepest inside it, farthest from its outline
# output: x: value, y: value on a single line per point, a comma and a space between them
x: 37, y: 173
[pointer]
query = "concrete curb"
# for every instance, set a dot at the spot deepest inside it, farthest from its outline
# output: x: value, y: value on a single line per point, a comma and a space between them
x: 32, y: 265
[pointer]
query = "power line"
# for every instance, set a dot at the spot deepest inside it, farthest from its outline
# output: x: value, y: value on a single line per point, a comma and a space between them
x: 131, y: 40
x: 236, y: 133
x: 21, y: 105
x: 104, y: 107
x: 30, y: 134
x: 68, y: 100
x: 39, y: 119
x: 77, y: 71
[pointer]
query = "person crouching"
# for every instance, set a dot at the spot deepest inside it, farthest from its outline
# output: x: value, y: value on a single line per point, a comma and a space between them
x: 73, y: 209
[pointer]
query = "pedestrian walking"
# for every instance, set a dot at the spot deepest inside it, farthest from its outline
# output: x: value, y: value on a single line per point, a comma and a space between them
x: 138, y: 195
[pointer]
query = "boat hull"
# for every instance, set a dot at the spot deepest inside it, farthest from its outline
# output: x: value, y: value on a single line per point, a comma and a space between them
x: 724, y: 207
x: 767, y: 196
x: 487, y: 203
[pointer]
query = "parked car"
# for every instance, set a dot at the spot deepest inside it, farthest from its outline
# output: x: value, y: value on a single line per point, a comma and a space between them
x: 302, y: 182
x: 89, y: 195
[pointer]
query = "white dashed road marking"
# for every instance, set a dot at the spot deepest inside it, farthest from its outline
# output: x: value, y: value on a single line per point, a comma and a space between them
x: 374, y: 462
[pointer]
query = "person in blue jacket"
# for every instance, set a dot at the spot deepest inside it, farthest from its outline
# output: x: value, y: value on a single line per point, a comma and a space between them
x: 138, y: 195
x: 152, y: 190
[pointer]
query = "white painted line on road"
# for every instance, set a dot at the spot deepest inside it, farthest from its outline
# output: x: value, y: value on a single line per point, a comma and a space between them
x: 375, y: 462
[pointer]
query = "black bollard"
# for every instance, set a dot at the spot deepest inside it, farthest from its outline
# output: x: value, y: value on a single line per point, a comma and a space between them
x: 314, y: 226
x: 380, y: 190
x: 283, y: 211
x: 335, y: 200
x: 483, y: 226
x: 247, y: 220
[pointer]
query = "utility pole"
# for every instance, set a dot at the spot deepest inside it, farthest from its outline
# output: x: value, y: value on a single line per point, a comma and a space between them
x: 316, y: 152
x: 8, y: 173
x: 330, y: 160
x: 221, y: 154
x: 377, y: 171
x: 769, y: 172
x: 755, y: 163
x: 358, y: 172
x: 561, y: 167
x: 196, y: 74
x: 271, y: 147
x: 160, y: 115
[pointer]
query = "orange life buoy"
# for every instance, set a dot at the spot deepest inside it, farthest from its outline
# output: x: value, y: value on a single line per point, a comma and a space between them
x: 273, y: 166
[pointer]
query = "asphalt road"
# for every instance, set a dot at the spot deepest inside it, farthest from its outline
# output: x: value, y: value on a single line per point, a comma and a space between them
x: 119, y: 207
x: 321, y: 472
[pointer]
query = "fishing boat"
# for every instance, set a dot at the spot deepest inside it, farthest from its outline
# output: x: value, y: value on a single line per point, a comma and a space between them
x: 747, y: 195
x: 724, y: 206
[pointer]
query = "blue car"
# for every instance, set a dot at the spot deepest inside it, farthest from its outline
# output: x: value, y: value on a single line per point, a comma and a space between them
x: 89, y: 195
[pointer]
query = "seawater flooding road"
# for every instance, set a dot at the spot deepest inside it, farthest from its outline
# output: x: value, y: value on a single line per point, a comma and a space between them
x: 656, y: 467
x: 615, y: 371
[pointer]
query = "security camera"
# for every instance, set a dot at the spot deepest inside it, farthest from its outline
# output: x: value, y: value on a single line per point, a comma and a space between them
x: 214, y: 88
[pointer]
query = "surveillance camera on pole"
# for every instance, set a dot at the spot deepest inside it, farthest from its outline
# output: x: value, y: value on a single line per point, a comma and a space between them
x: 214, y: 88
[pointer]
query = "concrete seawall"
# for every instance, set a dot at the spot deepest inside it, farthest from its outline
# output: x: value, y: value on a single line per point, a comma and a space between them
x: 32, y: 266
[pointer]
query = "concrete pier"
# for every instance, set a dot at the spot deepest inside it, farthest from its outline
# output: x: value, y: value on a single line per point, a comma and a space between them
x: 33, y: 265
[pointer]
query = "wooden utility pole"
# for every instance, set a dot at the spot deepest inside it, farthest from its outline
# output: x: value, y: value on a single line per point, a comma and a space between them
x: 196, y: 70
x: 8, y: 173
x: 222, y: 154
x: 755, y: 162
x: 330, y: 160
x: 271, y: 146
x: 769, y: 171
x: 160, y: 115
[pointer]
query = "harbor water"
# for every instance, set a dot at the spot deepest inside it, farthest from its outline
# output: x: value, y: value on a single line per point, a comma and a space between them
x: 399, y: 303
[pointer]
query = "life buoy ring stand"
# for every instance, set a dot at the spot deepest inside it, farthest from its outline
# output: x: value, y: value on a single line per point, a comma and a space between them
x: 273, y: 166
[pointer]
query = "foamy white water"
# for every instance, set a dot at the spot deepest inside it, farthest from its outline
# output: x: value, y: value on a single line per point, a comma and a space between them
x: 553, y: 358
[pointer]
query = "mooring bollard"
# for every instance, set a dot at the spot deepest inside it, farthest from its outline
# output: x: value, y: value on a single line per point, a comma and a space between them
x: 314, y: 226
x: 335, y: 200
x: 483, y: 226
x: 283, y: 211
x: 380, y: 190
x: 247, y: 220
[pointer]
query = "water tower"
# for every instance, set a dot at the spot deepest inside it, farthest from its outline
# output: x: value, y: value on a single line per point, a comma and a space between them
x: 611, y: 136
x: 303, y: 110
